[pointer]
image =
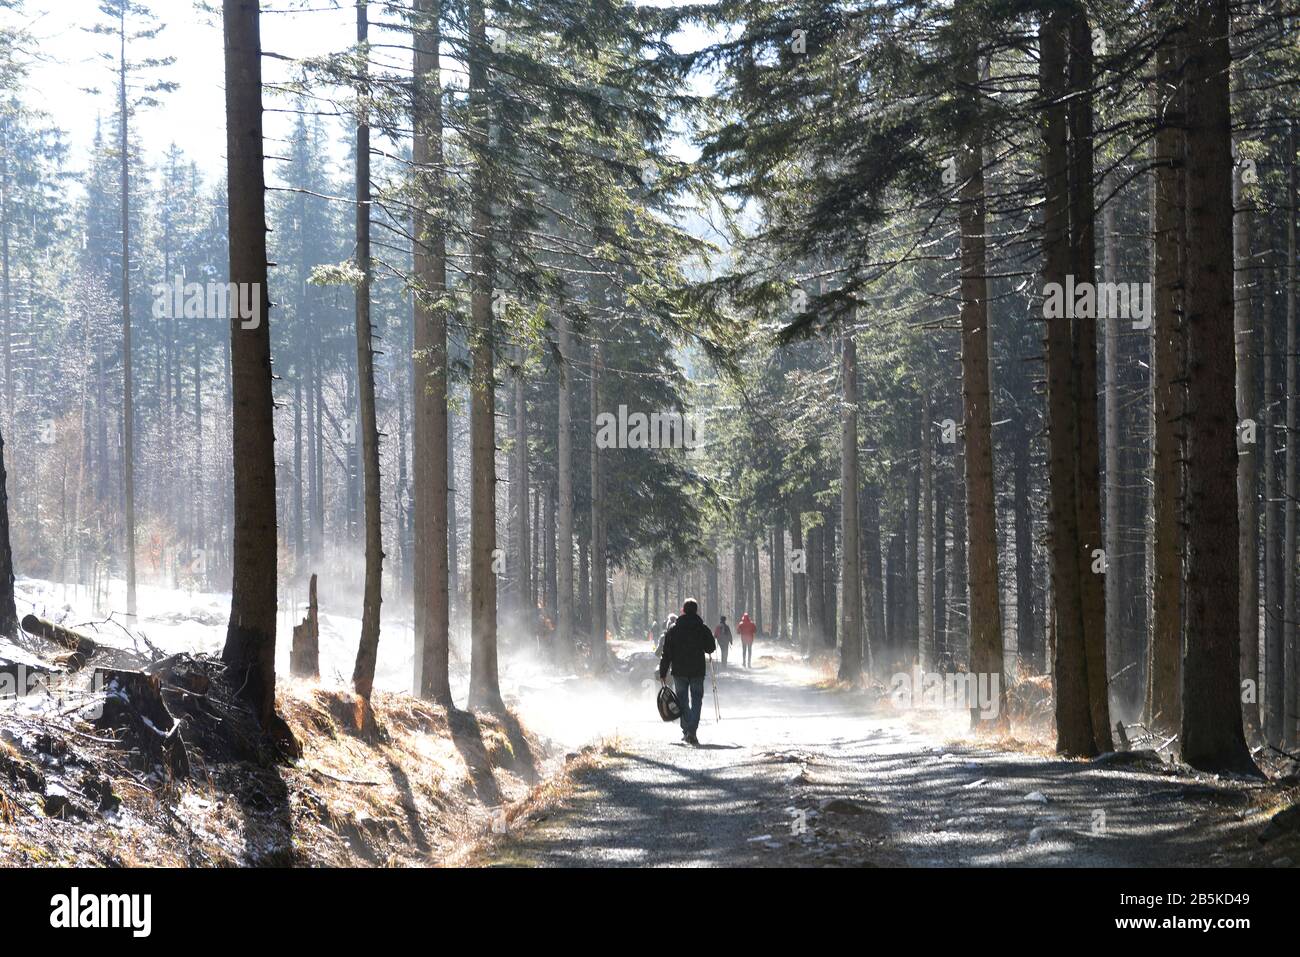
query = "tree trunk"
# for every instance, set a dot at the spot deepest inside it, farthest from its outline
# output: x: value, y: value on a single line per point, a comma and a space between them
x: 429, y: 368
x: 564, y: 630
x: 778, y: 580
x: 981, y: 510
x: 851, y: 581
x: 798, y: 579
x: 1290, y: 628
x: 363, y: 674
x: 549, y: 587
x: 816, y: 589
x: 1083, y: 255
x: 599, y: 565
x: 1074, y: 728
x: 249, y: 650
x: 737, y: 581
x: 484, y: 691
x: 959, y: 603
x: 128, y: 386
x: 455, y: 605
x: 304, y: 653
x: 524, y: 607
x: 912, y: 571
x: 8, y: 609
x: 1274, y: 677
x: 939, y: 562
x: 1212, y: 737
x: 1111, y: 341
x: 1164, y: 662
x: 1247, y: 449
x: 925, y: 641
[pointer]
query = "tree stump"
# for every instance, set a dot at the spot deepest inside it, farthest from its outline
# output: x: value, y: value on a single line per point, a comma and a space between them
x: 133, y: 701
x: 304, y: 653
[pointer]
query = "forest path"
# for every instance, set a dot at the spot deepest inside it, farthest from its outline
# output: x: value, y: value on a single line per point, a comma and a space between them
x: 799, y: 775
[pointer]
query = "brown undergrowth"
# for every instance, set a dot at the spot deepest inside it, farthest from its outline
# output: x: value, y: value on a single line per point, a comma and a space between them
x: 404, y: 782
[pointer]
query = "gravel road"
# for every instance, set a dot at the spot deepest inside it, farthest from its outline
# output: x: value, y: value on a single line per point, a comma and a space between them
x: 798, y: 775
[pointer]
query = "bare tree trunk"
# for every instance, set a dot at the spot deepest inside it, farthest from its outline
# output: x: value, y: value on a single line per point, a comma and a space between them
x: 484, y: 690
x: 778, y: 580
x: 537, y: 570
x: 1290, y: 629
x: 981, y: 508
x: 1088, y: 492
x: 1274, y: 687
x: 959, y: 603
x: 363, y: 674
x: 1111, y: 339
x: 1247, y: 449
x: 1164, y: 667
x: 1212, y: 737
x: 599, y: 565
x: 912, y: 572
x: 851, y: 606
x: 6, y: 291
x: 816, y: 590
x: 939, y: 562
x: 8, y: 609
x: 1074, y: 728
x: 1030, y: 639
x: 128, y: 386
x: 429, y: 372
x: 925, y: 640
x: 798, y: 580
x: 455, y: 606
x: 549, y: 587
x: 250, y: 638
x: 564, y: 630
x: 737, y: 581
x: 524, y: 608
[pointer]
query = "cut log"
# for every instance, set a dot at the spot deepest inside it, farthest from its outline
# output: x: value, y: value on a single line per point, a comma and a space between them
x: 304, y: 653
x: 133, y: 701
x: 80, y: 647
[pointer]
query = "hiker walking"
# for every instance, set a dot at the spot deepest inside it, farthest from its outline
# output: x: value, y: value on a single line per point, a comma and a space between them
x: 722, y: 635
x: 747, y: 630
x: 668, y: 624
x: 685, y: 645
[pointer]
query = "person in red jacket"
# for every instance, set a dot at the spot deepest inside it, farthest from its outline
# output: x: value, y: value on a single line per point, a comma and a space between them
x: 747, y: 630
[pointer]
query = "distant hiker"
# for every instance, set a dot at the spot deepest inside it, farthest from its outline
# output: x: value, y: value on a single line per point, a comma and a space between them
x: 685, y: 645
x: 722, y: 635
x: 659, y: 648
x: 747, y: 629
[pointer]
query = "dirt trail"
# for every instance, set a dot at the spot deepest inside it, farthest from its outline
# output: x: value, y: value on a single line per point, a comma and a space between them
x: 795, y: 775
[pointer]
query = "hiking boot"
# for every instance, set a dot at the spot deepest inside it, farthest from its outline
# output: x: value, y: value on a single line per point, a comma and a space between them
x: 691, y: 739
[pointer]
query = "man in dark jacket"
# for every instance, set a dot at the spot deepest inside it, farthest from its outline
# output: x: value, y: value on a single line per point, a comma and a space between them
x: 685, y: 645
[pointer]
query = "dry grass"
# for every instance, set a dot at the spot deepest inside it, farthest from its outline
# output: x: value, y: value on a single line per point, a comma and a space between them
x: 404, y: 782
x: 493, y: 845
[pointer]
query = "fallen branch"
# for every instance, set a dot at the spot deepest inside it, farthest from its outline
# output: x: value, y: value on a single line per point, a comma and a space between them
x: 317, y: 772
x: 81, y: 647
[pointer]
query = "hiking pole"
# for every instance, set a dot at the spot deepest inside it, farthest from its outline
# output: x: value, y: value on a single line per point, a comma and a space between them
x: 717, y: 710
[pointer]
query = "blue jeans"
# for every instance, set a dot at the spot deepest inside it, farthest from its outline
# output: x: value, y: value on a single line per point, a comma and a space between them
x: 691, y: 714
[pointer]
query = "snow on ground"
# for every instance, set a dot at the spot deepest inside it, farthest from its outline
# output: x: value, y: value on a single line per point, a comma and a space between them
x: 183, y: 620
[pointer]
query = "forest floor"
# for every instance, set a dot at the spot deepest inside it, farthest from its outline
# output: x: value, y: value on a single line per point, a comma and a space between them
x: 580, y: 771
x: 800, y: 772
x: 407, y: 783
